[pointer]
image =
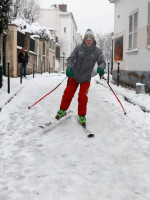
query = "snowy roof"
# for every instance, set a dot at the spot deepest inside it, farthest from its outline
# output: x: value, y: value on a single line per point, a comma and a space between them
x: 34, y: 28
x: 35, y: 36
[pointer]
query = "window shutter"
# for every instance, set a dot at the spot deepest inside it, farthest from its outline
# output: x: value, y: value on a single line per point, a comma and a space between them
x: 149, y: 13
x: 135, y: 21
x: 148, y: 26
x: 148, y: 34
x: 130, y: 41
x: 135, y: 40
x: 130, y: 24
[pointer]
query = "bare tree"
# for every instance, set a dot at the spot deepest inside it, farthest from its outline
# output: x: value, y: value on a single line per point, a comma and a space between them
x: 32, y: 11
x: 26, y: 9
x: 14, y: 9
x: 104, y: 41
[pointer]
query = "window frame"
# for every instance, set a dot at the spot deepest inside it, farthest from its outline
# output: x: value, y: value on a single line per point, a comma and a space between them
x: 118, y: 48
x: 148, y: 26
x: 65, y: 30
x: 133, y: 30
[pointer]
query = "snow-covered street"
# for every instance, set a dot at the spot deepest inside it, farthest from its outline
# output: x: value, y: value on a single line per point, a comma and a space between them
x: 61, y: 163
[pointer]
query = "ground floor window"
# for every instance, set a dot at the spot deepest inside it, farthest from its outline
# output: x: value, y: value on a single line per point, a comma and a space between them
x: 118, y: 53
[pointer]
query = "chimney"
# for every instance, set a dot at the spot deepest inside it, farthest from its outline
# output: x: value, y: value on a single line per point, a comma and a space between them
x: 63, y: 7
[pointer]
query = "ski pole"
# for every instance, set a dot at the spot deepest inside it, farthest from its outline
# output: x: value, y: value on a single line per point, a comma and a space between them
x: 116, y: 97
x: 47, y: 94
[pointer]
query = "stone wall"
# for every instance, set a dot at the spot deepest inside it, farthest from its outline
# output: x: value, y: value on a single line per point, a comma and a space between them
x: 32, y: 63
x: 51, y: 60
x: 130, y: 78
x: 11, y: 50
x: 43, y: 59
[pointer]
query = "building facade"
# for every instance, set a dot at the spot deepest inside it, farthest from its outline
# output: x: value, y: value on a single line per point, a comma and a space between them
x: 131, y: 41
x: 43, y: 54
x: 64, y: 24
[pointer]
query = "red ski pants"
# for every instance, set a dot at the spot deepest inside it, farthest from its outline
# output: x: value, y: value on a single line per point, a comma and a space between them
x: 82, y: 96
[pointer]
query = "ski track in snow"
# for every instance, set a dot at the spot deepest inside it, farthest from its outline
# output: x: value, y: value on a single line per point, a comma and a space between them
x: 62, y: 163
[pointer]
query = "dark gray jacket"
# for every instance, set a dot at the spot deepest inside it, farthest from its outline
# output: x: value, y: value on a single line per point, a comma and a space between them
x: 82, y: 61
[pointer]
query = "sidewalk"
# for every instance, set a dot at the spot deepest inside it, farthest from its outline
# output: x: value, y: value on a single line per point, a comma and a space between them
x: 15, y: 88
x: 128, y: 94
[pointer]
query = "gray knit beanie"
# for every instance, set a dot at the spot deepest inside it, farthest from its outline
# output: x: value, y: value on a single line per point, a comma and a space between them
x: 89, y: 35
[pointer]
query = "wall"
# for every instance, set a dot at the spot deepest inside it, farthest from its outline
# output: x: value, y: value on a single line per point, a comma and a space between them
x: 133, y: 60
x: 135, y: 66
x: 122, y: 10
x: 130, y: 78
x: 57, y: 21
x: 50, y: 19
x: 11, y: 50
x: 51, y: 64
x: 37, y: 38
x: 68, y: 39
x: 65, y: 36
x: 32, y: 61
x: 40, y: 59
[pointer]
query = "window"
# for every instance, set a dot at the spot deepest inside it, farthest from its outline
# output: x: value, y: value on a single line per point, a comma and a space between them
x: 43, y: 47
x: 133, y: 27
x: 54, y: 63
x: 58, y: 52
x: 148, y: 26
x: 118, y: 49
x: 52, y: 44
x: 20, y: 39
x: 64, y: 29
x: 32, y: 44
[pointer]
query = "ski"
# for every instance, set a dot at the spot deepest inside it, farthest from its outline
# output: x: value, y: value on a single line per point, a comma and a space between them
x: 88, y: 133
x: 55, y: 121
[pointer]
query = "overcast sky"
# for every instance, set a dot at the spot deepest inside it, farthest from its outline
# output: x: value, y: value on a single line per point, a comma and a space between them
x: 95, y: 14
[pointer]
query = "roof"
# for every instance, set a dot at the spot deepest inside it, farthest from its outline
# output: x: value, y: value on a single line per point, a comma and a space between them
x: 112, y: 1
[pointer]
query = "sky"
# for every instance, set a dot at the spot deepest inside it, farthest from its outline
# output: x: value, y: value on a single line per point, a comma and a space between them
x: 61, y: 163
x: 97, y: 14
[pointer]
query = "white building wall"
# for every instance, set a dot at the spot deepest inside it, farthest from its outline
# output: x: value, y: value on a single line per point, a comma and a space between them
x: 68, y: 38
x: 65, y: 32
x: 54, y: 18
x: 122, y: 10
x: 133, y: 60
x: 50, y: 19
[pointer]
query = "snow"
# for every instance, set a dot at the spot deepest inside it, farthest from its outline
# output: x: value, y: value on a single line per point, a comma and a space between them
x: 34, y: 28
x: 61, y: 163
x: 140, y: 84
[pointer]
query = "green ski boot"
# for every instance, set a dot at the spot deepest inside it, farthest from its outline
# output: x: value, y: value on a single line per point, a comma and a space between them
x: 60, y: 114
x: 82, y: 120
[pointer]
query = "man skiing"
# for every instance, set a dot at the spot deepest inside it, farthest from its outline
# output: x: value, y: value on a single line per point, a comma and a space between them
x: 80, y: 65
